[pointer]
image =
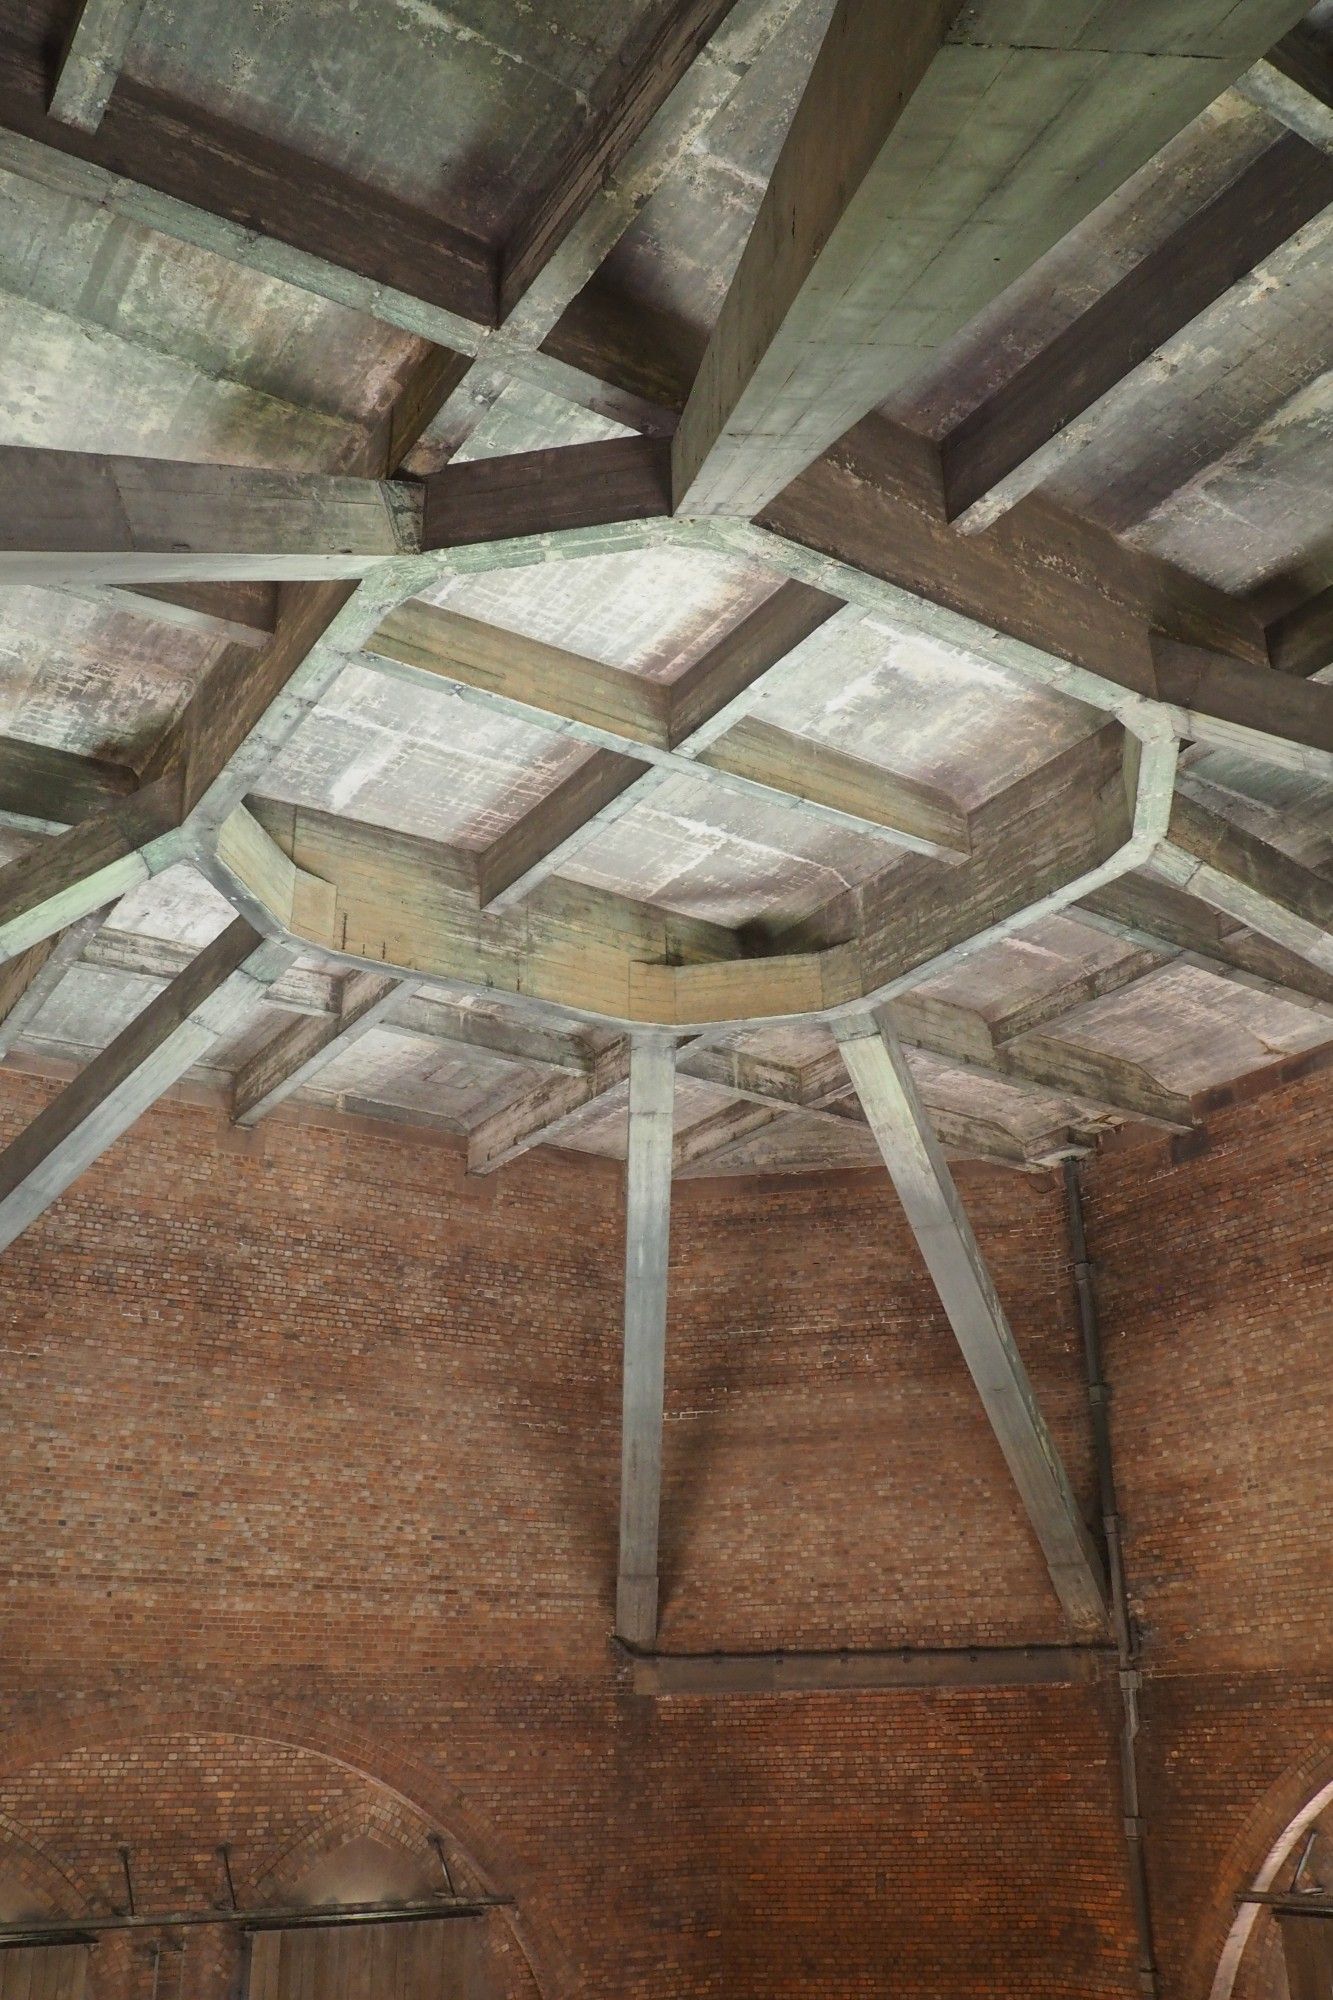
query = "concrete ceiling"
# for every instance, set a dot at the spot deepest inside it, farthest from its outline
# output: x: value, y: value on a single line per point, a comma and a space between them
x: 1214, y: 453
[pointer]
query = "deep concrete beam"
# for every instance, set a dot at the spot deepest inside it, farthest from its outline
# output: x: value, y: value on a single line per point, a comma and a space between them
x: 1294, y: 84
x: 87, y: 517
x: 98, y: 42
x: 544, y: 493
x: 45, y: 787
x: 879, y: 236
x: 387, y: 901
x: 1018, y: 437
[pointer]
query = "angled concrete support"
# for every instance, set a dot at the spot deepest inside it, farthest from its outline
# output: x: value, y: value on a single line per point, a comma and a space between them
x: 652, y: 1084
x: 915, y: 1160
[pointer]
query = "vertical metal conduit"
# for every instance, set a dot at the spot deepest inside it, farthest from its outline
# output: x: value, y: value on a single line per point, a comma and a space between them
x: 1126, y: 1637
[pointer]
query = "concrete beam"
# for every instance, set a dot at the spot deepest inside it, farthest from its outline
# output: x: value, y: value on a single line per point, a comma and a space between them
x: 87, y: 517
x: 541, y: 1113
x: 1095, y: 1082
x: 1063, y: 1006
x: 245, y: 612
x: 204, y: 179
x: 1249, y: 879
x: 1294, y: 84
x: 96, y: 48
x: 1160, y: 916
x: 701, y: 716
x: 652, y: 1086
x: 28, y: 981
x: 44, y: 787
x: 1279, y: 718
x: 94, y: 863
x: 748, y: 1674
x: 651, y: 109
x: 713, y: 1134
x: 250, y: 702
x: 1018, y: 437
x: 697, y: 732
x: 313, y: 995
x: 545, y: 493
x: 1055, y: 598
x: 208, y: 1002
x: 912, y: 1154
x: 298, y: 1052
x: 621, y: 113
x: 875, y: 241
x: 385, y: 901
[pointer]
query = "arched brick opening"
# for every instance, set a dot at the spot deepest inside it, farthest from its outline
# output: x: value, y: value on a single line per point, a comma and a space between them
x: 288, y: 1791
x: 1260, y: 1858
x: 384, y: 1820
x: 32, y: 1882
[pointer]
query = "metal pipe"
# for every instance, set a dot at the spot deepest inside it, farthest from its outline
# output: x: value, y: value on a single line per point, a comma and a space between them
x: 302, y: 1917
x: 1306, y: 1851
x: 1303, y: 1904
x: 438, y: 1844
x: 129, y: 1879
x: 1126, y: 1637
x: 224, y: 1855
x: 723, y: 1674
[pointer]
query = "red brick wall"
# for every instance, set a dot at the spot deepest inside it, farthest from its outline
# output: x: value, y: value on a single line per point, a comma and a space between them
x: 830, y: 1480
x: 310, y: 1496
x: 1214, y: 1272
x: 311, y: 1438
x: 830, y: 1476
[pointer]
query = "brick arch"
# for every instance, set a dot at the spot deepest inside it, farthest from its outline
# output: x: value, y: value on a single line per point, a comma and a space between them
x: 57, y: 1890
x: 112, y: 1721
x: 394, y: 1827
x: 1255, y: 1859
x: 26, y: 1861
x: 383, y: 1817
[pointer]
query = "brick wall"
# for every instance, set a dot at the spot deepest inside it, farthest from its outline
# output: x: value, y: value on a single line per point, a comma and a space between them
x: 310, y: 1484
x: 830, y: 1478
x: 1214, y: 1267
x: 313, y: 1439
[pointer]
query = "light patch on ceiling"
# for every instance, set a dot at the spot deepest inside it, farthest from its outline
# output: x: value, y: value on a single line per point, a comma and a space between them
x: 1024, y: 966
x: 1190, y: 1029
x: 653, y: 612
x: 179, y: 904
x: 930, y: 713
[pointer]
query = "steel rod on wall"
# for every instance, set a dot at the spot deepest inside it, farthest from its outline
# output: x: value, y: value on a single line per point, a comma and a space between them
x: 86, y: 1930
